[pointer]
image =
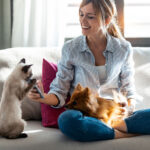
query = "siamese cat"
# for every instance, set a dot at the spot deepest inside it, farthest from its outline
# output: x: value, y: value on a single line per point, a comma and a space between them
x: 15, y: 88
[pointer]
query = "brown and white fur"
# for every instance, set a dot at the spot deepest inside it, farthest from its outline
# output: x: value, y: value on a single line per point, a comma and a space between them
x: 90, y: 104
x: 15, y: 88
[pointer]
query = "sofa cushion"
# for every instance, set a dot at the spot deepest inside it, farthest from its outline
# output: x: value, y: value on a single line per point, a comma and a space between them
x: 142, y: 76
x: 49, y: 114
x: 141, y: 55
x: 142, y: 84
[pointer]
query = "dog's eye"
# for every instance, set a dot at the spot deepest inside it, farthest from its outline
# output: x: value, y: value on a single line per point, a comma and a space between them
x: 74, y: 103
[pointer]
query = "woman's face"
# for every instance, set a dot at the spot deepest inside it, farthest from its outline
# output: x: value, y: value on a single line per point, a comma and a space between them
x: 90, y: 23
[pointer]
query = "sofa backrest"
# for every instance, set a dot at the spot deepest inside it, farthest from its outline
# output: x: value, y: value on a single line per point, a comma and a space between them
x: 9, y: 58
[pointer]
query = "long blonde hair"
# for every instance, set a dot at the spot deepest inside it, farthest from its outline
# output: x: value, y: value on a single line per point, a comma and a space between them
x: 106, y: 9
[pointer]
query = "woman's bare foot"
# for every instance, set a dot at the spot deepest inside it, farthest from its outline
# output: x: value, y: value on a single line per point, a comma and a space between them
x: 120, y: 125
x: 119, y: 134
x: 121, y: 130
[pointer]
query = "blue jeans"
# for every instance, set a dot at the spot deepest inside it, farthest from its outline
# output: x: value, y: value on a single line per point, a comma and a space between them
x: 139, y: 122
x: 82, y: 128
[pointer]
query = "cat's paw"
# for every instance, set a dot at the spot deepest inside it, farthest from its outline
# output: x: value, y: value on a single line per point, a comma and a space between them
x: 23, y: 135
x: 33, y: 81
x: 13, y: 136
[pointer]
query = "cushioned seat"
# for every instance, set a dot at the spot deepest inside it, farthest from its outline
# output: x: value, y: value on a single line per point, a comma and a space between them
x: 41, y: 138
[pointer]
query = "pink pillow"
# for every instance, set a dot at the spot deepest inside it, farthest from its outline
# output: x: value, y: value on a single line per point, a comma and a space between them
x: 49, y: 114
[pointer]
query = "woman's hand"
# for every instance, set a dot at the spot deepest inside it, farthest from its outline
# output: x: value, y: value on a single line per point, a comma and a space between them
x: 33, y: 94
x: 50, y: 99
x: 131, y: 106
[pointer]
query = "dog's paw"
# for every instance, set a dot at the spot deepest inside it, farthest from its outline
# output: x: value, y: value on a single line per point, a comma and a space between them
x: 123, y: 111
x: 122, y: 104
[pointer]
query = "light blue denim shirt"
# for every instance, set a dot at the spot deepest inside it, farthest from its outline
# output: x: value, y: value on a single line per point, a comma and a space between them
x: 77, y: 65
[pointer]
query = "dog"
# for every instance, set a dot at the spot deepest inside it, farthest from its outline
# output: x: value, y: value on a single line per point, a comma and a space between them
x: 90, y: 104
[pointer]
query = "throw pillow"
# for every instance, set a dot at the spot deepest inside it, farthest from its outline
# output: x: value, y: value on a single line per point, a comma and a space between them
x: 49, y: 114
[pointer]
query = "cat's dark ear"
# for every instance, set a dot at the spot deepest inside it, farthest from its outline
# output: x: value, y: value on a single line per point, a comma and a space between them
x: 22, y: 60
x: 26, y: 68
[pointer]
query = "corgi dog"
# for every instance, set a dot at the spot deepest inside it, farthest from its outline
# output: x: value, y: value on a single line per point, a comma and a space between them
x: 90, y: 104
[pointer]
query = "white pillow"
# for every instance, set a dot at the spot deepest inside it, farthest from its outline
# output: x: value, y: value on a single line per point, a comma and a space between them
x: 142, y: 84
x: 142, y: 75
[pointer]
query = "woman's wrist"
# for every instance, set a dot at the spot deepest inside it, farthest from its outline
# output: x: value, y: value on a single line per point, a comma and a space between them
x: 57, y: 102
x: 131, y: 106
x: 50, y: 99
x: 131, y: 102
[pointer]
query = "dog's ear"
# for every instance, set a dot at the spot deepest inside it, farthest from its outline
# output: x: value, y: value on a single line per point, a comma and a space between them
x: 86, y: 91
x: 79, y: 87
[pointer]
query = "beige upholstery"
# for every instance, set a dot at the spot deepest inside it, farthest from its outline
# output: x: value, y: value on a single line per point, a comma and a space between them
x: 40, y: 138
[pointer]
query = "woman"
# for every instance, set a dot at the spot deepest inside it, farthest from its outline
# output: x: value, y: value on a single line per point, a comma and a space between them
x: 100, y: 59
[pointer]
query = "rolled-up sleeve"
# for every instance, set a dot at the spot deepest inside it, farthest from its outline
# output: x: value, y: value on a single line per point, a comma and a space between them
x: 61, y: 84
x: 127, y: 74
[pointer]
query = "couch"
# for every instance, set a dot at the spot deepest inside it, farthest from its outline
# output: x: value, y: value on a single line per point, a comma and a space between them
x: 46, y: 138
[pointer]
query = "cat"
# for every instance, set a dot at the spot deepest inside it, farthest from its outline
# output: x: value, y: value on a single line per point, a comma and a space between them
x: 90, y: 104
x: 15, y: 88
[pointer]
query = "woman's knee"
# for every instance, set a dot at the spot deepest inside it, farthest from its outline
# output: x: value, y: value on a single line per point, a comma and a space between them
x: 139, y: 122
x: 68, y: 118
x: 69, y: 122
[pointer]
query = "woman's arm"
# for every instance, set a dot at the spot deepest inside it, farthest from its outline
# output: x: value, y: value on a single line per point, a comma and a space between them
x: 127, y: 78
x: 50, y: 99
x: 60, y: 86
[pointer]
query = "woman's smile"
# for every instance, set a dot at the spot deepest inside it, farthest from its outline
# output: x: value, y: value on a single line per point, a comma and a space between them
x: 85, y: 27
